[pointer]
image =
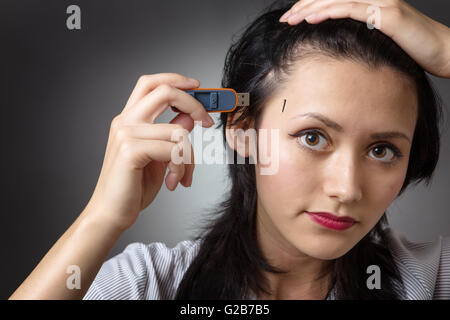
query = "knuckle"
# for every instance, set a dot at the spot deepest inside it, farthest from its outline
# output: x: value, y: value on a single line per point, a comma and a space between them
x: 122, y: 133
x: 116, y: 122
x: 143, y: 79
x: 177, y: 167
x: 164, y: 88
x: 127, y: 149
x: 179, y: 131
x: 396, y: 12
x: 178, y: 126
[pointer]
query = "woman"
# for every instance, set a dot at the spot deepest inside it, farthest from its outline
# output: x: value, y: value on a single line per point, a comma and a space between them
x: 358, y: 122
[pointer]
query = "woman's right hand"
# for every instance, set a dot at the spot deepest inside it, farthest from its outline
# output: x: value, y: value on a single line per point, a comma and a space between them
x: 139, y: 151
x: 422, y: 38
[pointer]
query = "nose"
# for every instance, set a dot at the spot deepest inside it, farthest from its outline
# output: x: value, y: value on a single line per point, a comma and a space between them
x: 342, y: 179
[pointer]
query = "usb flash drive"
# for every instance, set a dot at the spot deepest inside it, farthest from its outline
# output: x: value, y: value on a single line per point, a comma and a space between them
x: 218, y: 99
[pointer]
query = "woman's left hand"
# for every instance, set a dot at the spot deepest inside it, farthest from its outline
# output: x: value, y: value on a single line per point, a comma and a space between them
x: 422, y: 38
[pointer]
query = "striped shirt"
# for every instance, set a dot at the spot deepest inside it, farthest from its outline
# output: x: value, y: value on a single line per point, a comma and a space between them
x: 154, y: 271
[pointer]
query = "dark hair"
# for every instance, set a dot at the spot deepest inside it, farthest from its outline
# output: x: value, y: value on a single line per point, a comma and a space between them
x: 229, y: 261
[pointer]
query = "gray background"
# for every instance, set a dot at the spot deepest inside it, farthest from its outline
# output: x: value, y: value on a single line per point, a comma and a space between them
x: 60, y: 90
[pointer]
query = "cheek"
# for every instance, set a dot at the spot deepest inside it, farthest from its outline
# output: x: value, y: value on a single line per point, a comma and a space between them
x: 294, y: 179
x: 388, y: 188
x: 393, y: 189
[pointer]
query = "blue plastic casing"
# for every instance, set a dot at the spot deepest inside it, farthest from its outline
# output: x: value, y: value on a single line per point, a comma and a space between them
x: 214, y: 99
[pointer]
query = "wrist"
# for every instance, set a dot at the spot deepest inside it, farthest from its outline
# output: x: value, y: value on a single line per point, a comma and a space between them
x: 95, y: 219
x: 445, y: 50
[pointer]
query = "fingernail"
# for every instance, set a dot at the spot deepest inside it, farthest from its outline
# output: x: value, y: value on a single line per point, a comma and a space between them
x: 310, y: 17
x: 285, y: 16
x: 193, y: 81
x: 209, y: 121
x: 171, y: 181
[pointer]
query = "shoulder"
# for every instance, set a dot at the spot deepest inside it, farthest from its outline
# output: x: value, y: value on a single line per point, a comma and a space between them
x: 143, y: 271
x: 424, y: 266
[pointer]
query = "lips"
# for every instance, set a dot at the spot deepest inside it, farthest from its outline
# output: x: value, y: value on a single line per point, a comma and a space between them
x: 334, y: 217
x: 332, y: 221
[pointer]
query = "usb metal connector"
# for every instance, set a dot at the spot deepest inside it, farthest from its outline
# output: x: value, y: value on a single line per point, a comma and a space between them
x: 243, y: 99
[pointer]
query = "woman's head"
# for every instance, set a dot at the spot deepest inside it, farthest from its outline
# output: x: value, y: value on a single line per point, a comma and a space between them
x: 363, y: 82
x: 384, y: 133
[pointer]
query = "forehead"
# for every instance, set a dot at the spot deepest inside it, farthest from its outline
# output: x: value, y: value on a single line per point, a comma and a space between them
x: 349, y: 92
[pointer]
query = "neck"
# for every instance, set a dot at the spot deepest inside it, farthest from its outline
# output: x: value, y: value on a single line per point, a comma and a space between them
x: 305, y: 277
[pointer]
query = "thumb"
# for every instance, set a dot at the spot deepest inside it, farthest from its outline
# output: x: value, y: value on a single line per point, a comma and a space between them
x: 184, y: 120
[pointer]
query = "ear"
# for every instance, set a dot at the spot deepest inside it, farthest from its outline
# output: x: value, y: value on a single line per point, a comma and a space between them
x: 236, y: 135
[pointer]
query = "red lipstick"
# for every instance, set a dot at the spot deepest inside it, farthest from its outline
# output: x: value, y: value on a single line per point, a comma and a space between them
x: 332, y: 221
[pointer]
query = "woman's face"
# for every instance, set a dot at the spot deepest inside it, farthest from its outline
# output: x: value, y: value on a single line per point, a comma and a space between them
x: 339, y: 165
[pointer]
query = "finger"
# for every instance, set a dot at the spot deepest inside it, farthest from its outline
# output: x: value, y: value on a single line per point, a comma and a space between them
x: 137, y: 153
x: 184, y: 120
x: 156, y: 131
x: 318, y: 6
x: 189, y: 167
x: 354, y: 10
x: 187, y: 123
x: 146, y: 83
x: 159, y: 131
x: 183, y: 175
x: 320, y: 3
x: 156, y: 102
x: 184, y: 154
x: 176, y: 172
x: 163, y: 131
x: 295, y: 9
x: 300, y: 4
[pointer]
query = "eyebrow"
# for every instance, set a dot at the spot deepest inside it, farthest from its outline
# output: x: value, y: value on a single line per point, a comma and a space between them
x: 330, y: 123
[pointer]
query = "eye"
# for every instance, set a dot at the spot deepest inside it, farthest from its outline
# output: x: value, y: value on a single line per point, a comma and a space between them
x: 385, y: 153
x: 311, y: 139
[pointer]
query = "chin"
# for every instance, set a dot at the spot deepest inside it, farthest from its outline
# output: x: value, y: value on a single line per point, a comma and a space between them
x: 332, y: 255
x: 327, y: 254
x: 325, y: 250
